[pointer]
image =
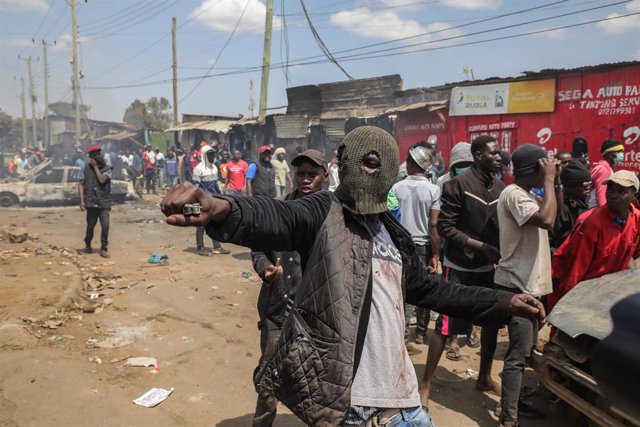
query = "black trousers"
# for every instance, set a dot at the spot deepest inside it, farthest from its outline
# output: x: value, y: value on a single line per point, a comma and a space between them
x: 93, y: 214
x: 266, y: 405
x: 150, y: 180
x: 200, y: 240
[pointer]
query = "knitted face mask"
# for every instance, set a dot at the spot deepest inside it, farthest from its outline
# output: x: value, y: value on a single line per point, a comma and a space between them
x: 362, y: 187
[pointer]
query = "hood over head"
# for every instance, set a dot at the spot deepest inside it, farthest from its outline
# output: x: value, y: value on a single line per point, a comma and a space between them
x: 203, y: 155
x: 461, y: 153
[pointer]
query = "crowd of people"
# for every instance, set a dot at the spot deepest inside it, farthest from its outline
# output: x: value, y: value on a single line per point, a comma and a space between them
x: 23, y: 161
x: 494, y: 241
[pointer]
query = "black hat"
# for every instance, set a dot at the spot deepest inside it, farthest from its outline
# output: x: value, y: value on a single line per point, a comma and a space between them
x: 525, y: 159
x: 575, y: 172
x: 314, y: 156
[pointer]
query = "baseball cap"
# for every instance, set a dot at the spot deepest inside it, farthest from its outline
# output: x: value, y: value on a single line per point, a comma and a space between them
x: 93, y: 148
x: 611, y: 145
x: 525, y: 158
x: 314, y: 156
x: 263, y: 149
x: 624, y: 178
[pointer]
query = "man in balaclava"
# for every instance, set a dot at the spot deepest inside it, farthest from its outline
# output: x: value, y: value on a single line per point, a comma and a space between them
x: 336, y: 361
x: 94, y: 189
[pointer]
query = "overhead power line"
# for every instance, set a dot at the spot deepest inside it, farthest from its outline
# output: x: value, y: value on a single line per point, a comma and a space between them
x: 321, y: 44
x: 384, y: 55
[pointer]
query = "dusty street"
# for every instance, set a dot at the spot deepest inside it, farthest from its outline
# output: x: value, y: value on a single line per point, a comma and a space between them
x: 195, y: 315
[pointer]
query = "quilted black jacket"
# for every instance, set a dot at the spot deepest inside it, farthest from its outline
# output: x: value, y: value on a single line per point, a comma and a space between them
x: 317, y: 356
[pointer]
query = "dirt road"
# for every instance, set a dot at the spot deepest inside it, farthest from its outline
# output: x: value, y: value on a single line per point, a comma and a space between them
x: 195, y: 315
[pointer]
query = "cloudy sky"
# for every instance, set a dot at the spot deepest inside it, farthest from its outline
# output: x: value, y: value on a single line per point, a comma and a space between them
x: 125, y: 45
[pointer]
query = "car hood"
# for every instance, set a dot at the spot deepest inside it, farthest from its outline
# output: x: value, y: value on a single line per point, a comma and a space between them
x: 586, y: 309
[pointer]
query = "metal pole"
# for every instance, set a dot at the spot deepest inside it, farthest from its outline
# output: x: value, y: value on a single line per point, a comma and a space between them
x: 266, y: 59
x: 175, y: 71
x: 32, y: 94
x: 47, y: 141
x: 76, y: 80
x: 24, y: 117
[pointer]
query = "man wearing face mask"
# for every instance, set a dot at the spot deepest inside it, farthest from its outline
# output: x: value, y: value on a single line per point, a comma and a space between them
x: 460, y: 161
x: 94, y: 189
x: 337, y: 360
x: 612, y: 154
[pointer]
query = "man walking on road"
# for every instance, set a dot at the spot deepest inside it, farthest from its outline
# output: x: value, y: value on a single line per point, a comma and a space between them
x: 525, y: 258
x: 341, y: 357
x: 468, y: 223
x: 261, y: 176
x: 281, y: 274
x: 149, y: 160
x: 94, y: 189
x: 283, y: 174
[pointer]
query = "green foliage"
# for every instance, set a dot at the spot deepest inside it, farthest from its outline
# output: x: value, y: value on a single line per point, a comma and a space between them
x: 67, y: 109
x: 154, y: 114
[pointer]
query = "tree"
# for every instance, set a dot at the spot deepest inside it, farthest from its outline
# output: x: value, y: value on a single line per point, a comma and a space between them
x: 154, y: 114
x: 67, y: 109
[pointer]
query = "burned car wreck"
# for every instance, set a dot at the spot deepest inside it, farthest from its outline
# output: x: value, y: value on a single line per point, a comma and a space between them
x: 48, y: 185
x: 594, y: 349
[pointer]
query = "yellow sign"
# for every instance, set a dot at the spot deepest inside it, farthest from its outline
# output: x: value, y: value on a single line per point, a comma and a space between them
x: 534, y: 96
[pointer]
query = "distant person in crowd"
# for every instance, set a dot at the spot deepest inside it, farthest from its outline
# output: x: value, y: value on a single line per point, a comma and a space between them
x: 171, y: 168
x: 137, y: 167
x: 79, y: 159
x: 261, y: 175
x: 504, y: 173
x: 419, y: 204
x: 94, y: 189
x: 438, y: 165
x: 525, y: 258
x: 149, y: 160
x: 237, y: 174
x: 194, y: 155
x: 334, y: 173
x: 402, y: 171
x: 205, y: 177
x: 281, y: 274
x: 576, y: 181
x: 282, y: 171
x: 222, y: 162
x: 605, y: 239
x: 468, y: 225
x: 159, y: 168
x: 460, y: 161
x: 637, y: 200
x: 612, y: 154
x: 580, y: 150
x: 182, y: 164
x: 564, y: 157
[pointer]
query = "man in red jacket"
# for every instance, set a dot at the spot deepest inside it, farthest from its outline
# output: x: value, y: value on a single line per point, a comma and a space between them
x: 605, y: 239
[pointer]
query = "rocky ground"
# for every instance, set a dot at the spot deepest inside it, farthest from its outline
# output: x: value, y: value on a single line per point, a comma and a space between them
x: 69, y: 322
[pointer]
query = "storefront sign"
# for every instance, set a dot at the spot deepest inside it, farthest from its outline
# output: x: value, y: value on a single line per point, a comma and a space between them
x: 503, y: 98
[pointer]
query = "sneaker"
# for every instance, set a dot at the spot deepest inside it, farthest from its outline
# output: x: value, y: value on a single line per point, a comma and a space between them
x: 104, y: 253
x: 221, y: 251
x: 88, y: 250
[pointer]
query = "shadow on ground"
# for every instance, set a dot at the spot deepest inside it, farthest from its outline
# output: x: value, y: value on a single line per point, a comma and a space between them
x: 282, y: 420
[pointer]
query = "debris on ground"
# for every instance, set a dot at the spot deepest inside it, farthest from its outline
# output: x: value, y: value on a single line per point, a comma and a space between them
x: 143, y: 362
x: 153, y: 397
x: 158, y: 259
x: 15, y: 234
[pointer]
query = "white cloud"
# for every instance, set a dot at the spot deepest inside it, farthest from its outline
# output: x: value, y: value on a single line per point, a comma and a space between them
x: 636, y: 55
x: 472, y: 4
x: 63, y: 42
x: 559, y: 34
x: 358, y: 21
x: 23, y: 5
x: 222, y: 15
x: 404, y: 4
x: 623, y: 25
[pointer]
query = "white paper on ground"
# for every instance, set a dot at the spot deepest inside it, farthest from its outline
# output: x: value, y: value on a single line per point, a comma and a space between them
x: 153, y: 397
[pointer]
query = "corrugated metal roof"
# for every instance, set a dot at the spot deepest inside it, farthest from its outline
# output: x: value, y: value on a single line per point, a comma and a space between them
x: 333, y: 127
x: 359, y: 98
x: 304, y: 100
x: 120, y: 136
x: 431, y: 105
x: 291, y: 126
x: 209, y: 125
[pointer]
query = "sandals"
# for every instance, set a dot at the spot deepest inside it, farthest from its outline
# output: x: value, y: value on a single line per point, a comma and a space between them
x: 453, y: 353
x: 473, y: 341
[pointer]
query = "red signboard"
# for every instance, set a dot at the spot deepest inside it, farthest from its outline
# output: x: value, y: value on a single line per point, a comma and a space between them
x: 595, y: 105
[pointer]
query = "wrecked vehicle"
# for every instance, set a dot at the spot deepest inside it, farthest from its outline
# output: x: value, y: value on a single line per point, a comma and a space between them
x: 583, y: 320
x: 48, y: 185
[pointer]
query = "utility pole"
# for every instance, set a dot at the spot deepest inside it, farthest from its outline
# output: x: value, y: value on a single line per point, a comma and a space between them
x: 175, y: 71
x: 266, y: 60
x: 32, y: 95
x: 47, y: 141
x: 76, y: 79
x: 24, y: 117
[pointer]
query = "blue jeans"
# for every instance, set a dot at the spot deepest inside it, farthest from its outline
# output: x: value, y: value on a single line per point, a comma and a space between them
x: 410, y: 417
